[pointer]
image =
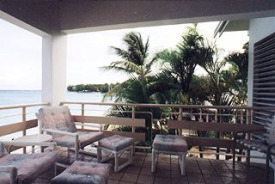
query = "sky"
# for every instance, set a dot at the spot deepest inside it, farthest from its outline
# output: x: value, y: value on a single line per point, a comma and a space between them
x: 21, y: 52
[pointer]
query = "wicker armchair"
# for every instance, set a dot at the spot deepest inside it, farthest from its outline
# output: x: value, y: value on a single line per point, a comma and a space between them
x: 267, y: 145
x: 58, y: 122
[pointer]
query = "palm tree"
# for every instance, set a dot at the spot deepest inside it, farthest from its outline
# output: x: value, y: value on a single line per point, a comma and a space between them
x: 239, y: 62
x: 180, y: 64
x: 228, y: 78
x: 136, y: 63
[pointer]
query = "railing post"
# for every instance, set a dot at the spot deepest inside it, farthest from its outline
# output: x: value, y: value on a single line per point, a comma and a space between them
x: 248, y: 136
x: 235, y: 117
x: 242, y: 122
x: 133, y: 116
x: 24, y: 124
x: 180, y: 119
x: 242, y: 116
x: 82, y: 114
x: 249, y: 121
x: 133, y: 128
x: 216, y: 116
x: 199, y: 134
x: 218, y: 133
x: 200, y: 120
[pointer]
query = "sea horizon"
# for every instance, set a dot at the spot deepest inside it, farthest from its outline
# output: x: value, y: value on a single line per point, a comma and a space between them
x: 20, y: 97
x: 25, y: 97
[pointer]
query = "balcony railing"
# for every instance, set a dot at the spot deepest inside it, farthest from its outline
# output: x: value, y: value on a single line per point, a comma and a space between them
x: 86, y: 113
x: 17, y: 120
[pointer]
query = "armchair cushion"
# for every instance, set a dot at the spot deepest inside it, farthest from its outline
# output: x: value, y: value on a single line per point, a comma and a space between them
x: 29, y: 166
x: 116, y: 142
x: 172, y: 143
x: 84, y: 173
x: 85, y: 138
x: 56, y: 118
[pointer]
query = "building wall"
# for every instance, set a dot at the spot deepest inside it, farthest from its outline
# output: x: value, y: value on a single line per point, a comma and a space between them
x: 258, y: 29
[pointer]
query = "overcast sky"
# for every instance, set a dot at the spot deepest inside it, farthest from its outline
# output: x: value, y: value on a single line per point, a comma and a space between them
x: 21, y: 55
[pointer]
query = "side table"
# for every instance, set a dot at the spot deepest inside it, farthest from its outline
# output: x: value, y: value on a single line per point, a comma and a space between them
x: 30, y: 140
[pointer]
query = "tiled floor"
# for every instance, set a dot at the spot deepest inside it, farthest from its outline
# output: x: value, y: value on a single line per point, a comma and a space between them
x: 167, y: 172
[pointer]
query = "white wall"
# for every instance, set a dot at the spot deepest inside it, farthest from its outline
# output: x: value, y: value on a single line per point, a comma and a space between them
x: 258, y: 29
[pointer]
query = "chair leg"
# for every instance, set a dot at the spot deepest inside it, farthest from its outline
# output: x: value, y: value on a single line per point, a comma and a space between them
x: 54, y: 169
x: 153, y: 166
x: 248, y: 157
x: 131, y: 154
x: 99, y: 155
x: 116, y: 161
x: 181, y: 163
x: 77, y: 147
x: 267, y: 168
x: 76, y: 154
x: 13, y: 175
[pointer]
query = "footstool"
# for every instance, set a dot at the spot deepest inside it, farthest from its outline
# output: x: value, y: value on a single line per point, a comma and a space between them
x: 172, y: 145
x: 116, y: 145
x: 84, y: 173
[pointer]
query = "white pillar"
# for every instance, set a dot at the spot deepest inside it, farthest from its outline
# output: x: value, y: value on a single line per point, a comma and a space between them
x: 54, y: 51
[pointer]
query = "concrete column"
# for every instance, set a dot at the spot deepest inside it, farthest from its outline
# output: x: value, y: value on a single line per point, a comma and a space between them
x: 54, y: 66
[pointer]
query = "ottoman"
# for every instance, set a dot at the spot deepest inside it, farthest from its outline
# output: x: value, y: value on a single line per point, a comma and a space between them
x: 169, y: 144
x: 83, y: 173
x: 116, y: 145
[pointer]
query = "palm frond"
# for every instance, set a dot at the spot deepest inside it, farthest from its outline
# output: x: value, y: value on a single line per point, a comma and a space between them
x: 120, y: 52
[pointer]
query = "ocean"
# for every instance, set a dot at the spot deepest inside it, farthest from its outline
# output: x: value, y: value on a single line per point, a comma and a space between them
x: 14, y: 97
x: 19, y: 97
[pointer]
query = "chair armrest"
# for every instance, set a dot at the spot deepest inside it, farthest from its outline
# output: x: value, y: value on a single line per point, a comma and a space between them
x: 13, y: 173
x: 92, y: 125
x: 59, y: 132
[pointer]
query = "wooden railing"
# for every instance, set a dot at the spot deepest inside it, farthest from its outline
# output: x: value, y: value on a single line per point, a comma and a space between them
x: 196, y: 113
x: 199, y: 113
x: 22, y: 125
x: 131, y: 122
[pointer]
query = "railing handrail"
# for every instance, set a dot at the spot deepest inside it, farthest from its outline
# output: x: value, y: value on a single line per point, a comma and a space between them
x: 22, y: 105
x: 170, y: 105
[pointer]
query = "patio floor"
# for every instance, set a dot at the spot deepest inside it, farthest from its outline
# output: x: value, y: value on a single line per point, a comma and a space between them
x: 198, y: 171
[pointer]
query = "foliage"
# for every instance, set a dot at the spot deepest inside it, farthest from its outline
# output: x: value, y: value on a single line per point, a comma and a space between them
x: 136, y: 63
x: 179, y: 64
x: 200, y: 89
x: 103, y: 88
x: 175, y: 83
x: 228, y: 78
x: 239, y: 62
